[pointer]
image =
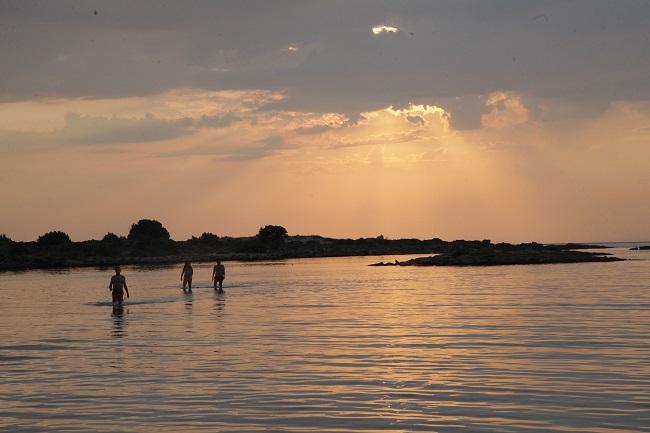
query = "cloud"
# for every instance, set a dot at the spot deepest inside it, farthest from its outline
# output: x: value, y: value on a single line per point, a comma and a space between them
x: 390, y: 126
x: 378, y: 30
x: 499, y: 145
x: 416, y: 119
x: 217, y: 121
x: 261, y: 149
x: 170, y: 115
x: 80, y: 129
x: 431, y: 155
x: 15, y: 141
x: 322, y: 54
x: 507, y: 110
x: 110, y: 130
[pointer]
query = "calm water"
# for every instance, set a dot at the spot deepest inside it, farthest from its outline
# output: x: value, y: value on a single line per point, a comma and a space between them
x: 330, y: 345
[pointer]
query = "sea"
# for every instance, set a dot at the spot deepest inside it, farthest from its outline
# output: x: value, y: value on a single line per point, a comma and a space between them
x: 330, y: 345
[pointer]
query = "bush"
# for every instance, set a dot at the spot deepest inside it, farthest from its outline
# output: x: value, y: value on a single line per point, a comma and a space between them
x: 205, y: 240
x: 272, y: 234
x: 209, y: 238
x: 148, y: 230
x: 111, y: 245
x: 150, y: 238
x: 253, y: 245
x: 54, y: 238
x: 110, y: 237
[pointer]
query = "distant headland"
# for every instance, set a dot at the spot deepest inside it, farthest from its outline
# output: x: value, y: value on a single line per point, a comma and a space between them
x: 148, y: 242
x: 486, y: 253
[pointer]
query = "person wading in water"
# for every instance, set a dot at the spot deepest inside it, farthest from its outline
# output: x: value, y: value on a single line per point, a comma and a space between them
x: 218, y: 275
x: 186, y: 276
x: 118, y: 287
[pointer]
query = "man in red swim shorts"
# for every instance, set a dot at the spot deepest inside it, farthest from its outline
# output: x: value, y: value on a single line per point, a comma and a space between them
x: 118, y: 287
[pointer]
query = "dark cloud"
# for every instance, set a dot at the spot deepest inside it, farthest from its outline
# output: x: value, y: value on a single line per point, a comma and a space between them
x: 102, y: 130
x: 466, y: 111
x: 583, y: 51
x: 317, y: 129
x: 90, y: 130
x: 419, y: 120
x: 217, y: 121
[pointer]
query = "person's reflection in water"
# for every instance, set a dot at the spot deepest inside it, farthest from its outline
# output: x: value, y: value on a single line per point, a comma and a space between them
x: 189, y: 299
x: 119, y: 323
x: 220, y: 303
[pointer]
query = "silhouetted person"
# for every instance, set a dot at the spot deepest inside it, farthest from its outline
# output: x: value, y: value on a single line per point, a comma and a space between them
x: 218, y: 275
x: 118, y: 287
x: 186, y: 276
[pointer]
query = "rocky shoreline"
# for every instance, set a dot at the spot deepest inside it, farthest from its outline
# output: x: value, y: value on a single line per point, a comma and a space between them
x: 507, y: 254
x: 112, y: 251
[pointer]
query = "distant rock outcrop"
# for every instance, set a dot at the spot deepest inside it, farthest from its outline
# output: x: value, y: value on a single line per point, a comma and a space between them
x: 507, y: 254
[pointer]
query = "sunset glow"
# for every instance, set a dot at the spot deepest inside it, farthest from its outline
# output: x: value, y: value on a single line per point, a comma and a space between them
x: 445, y: 130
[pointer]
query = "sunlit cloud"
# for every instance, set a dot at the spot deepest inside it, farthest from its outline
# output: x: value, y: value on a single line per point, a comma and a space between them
x: 176, y: 113
x: 292, y: 47
x: 412, y: 124
x: 378, y: 30
x: 311, y: 123
x: 507, y: 110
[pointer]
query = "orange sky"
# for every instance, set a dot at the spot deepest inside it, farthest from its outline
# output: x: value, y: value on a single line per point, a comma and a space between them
x: 352, y: 155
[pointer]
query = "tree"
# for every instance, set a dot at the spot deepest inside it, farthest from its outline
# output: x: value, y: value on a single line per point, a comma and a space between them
x: 111, y: 245
x: 54, y: 238
x: 207, y: 240
x: 150, y: 238
x: 272, y: 234
x: 110, y: 237
x: 148, y: 230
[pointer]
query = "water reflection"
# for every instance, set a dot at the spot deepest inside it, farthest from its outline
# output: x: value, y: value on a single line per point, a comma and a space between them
x: 189, y: 302
x: 331, y: 342
x: 154, y: 267
x: 219, y: 303
x: 119, y: 322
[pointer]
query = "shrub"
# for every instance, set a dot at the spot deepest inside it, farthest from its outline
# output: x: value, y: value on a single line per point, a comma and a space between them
x: 54, y: 238
x: 110, y: 237
x: 148, y: 230
x: 272, y: 234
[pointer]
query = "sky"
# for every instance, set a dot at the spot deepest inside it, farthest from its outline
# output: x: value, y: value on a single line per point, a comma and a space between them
x: 514, y: 121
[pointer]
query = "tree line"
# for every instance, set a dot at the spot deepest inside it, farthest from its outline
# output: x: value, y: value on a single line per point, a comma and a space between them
x: 149, y: 242
x: 148, y: 231
x: 146, y: 238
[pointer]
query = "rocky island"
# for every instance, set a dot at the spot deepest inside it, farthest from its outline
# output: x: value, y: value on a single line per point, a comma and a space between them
x: 148, y: 243
x: 488, y: 254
